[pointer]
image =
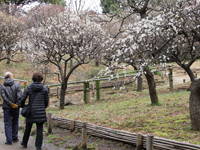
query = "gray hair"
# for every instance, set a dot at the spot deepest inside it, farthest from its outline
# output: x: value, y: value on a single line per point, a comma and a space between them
x: 7, y: 75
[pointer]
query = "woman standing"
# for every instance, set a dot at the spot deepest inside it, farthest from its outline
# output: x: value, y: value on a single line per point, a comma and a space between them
x: 38, y: 95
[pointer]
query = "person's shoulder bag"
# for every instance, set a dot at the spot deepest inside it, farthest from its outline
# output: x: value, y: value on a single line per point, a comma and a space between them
x: 26, y: 110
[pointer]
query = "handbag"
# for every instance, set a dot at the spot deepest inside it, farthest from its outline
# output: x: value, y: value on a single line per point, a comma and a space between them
x: 26, y: 110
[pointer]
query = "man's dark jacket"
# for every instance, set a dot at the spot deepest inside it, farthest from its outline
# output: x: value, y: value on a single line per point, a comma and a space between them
x: 10, y: 93
x: 38, y: 111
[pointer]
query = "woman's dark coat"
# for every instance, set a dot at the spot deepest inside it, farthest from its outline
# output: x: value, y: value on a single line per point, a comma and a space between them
x: 38, y: 112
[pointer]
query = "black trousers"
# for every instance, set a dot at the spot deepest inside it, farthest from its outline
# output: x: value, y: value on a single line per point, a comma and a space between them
x: 39, y: 134
x: 11, y: 117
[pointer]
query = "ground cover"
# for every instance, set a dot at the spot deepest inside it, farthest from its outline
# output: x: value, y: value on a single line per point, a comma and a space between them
x: 119, y: 109
x: 133, y: 112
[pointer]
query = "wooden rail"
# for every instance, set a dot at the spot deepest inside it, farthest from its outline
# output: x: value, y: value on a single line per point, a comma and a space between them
x: 56, y: 91
x: 19, y: 80
x: 104, y: 78
x: 124, y: 136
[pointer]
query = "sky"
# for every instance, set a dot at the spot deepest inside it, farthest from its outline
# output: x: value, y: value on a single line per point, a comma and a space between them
x: 86, y: 4
x: 94, y: 4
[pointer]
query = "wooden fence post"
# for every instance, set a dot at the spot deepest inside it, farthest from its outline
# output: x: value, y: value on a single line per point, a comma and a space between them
x: 49, y: 123
x: 58, y: 91
x: 139, y: 141
x: 72, y: 126
x: 48, y: 88
x: 0, y: 93
x: 170, y: 70
x: 149, y: 142
x: 25, y: 85
x: 84, y: 135
x: 93, y: 94
x: 86, y: 85
x: 98, y: 89
x: 139, y: 83
x: 87, y: 95
x: 170, y: 78
x: 71, y: 63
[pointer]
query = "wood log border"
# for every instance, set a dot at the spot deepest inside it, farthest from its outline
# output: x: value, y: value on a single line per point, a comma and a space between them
x: 123, y: 136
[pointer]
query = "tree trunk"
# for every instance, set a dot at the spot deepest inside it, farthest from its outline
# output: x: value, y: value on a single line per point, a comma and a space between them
x: 71, y: 63
x: 194, y: 106
x: 97, y: 62
x: 8, y: 55
x: 152, y: 86
x: 62, y: 95
x: 8, y: 61
x: 190, y: 73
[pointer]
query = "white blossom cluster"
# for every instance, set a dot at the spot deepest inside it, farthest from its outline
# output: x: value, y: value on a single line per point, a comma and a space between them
x: 63, y: 37
x: 169, y: 32
x: 10, y: 38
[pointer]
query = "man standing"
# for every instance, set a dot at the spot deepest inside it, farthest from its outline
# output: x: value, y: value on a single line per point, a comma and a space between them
x: 11, y: 93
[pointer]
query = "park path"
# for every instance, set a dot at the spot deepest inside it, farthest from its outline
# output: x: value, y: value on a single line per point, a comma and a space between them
x: 17, y: 145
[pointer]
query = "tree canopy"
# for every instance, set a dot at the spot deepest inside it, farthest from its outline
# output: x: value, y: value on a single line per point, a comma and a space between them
x: 62, y: 37
x: 110, y: 6
x: 24, y: 2
x: 11, y: 30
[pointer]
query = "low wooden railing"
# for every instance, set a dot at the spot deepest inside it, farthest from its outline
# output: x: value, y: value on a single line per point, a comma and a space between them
x: 139, y: 140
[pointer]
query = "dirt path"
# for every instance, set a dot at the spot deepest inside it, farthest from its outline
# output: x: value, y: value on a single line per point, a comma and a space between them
x: 14, y: 146
x: 17, y: 146
x: 178, y: 79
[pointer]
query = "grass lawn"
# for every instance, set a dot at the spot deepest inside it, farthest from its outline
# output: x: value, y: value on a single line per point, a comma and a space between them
x: 133, y: 112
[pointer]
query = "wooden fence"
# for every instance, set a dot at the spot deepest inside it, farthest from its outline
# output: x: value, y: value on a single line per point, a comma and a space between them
x: 80, y: 87
x: 19, y: 80
x: 140, y: 141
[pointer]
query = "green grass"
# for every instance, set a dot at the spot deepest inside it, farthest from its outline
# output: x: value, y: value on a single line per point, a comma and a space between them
x: 133, y: 112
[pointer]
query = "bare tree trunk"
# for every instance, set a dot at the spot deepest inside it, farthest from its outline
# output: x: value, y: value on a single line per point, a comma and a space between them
x: 71, y: 63
x: 62, y: 95
x: 152, y: 86
x: 8, y: 55
x: 97, y: 62
x: 194, y: 106
x: 8, y: 61
x: 190, y: 73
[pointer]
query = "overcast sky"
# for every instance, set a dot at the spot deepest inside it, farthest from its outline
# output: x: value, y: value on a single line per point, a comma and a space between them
x: 88, y: 4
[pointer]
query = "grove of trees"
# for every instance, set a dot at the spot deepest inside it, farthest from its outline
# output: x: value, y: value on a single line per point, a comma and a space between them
x: 165, y: 30
x: 147, y: 32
